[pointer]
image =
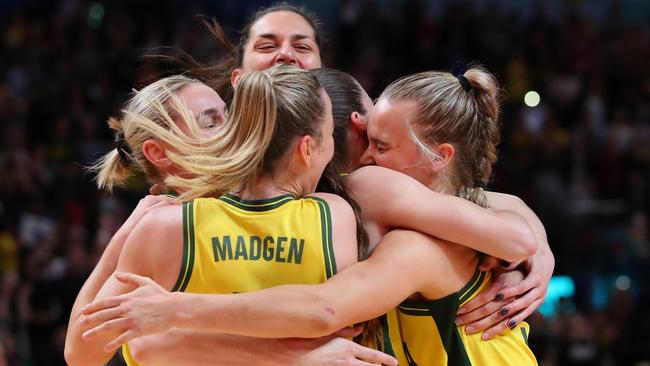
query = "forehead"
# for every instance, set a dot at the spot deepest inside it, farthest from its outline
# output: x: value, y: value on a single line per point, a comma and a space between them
x: 198, y: 97
x: 390, y: 119
x: 281, y: 23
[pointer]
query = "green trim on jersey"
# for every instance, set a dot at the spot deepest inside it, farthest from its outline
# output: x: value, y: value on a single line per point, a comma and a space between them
x: 443, y: 312
x: 388, y: 345
x: 256, y: 205
x: 188, y: 248
x: 326, y: 232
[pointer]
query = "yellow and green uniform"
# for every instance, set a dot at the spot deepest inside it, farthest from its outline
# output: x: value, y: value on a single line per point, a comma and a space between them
x: 424, y: 334
x: 233, y: 245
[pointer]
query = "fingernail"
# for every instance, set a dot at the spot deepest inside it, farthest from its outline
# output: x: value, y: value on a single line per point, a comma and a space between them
x: 458, y: 321
x: 512, y: 323
x: 469, y: 329
x: 499, y: 296
x: 461, y: 310
x: 503, y: 312
x: 485, y: 336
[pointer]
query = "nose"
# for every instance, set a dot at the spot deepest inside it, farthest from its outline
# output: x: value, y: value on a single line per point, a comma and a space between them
x: 286, y: 55
x: 368, y: 156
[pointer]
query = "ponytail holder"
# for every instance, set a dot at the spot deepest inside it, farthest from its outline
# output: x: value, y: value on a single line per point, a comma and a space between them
x: 464, y: 82
x: 480, y: 184
x: 123, y: 148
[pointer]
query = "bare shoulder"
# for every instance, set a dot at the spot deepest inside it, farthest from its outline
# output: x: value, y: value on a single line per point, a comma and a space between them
x: 446, y: 266
x: 156, y: 243
x: 336, y: 202
x: 375, y: 177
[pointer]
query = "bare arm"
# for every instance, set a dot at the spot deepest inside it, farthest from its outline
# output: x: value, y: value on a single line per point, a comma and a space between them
x: 180, y: 347
x: 103, y: 270
x: 400, y: 266
x: 390, y: 200
x: 135, y: 257
x: 519, y: 299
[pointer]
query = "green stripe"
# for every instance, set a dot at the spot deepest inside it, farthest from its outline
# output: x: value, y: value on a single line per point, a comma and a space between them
x: 471, y: 286
x: 183, y: 270
x: 388, y: 345
x: 444, y: 314
x: 257, y: 205
x: 326, y: 234
x: 523, y: 333
x: 191, y: 245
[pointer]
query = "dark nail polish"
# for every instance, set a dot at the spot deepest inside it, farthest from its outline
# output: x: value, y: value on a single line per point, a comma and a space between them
x: 503, y: 312
x: 512, y: 323
x: 499, y: 296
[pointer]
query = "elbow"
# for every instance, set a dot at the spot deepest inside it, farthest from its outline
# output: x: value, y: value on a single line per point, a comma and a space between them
x: 73, y: 357
x: 526, y: 245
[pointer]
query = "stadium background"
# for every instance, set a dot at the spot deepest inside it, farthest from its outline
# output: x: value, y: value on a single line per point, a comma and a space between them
x: 580, y: 158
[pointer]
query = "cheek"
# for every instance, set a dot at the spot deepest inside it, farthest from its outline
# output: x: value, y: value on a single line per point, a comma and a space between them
x: 310, y: 61
x: 258, y: 62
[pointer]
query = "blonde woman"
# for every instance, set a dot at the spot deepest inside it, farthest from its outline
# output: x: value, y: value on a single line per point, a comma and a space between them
x: 435, y: 127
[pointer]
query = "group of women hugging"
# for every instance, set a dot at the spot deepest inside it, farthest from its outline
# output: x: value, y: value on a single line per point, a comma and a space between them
x: 306, y: 225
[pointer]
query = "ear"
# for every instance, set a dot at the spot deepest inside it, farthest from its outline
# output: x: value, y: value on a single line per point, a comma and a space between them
x: 305, y: 150
x: 234, y: 76
x: 358, y: 123
x: 155, y: 152
x: 446, y: 152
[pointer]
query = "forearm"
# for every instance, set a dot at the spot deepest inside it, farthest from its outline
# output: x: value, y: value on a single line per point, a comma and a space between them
x: 182, y: 347
x: 503, y: 201
x: 405, y: 203
x: 265, y: 313
x: 75, y: 347
x: 500, y: 233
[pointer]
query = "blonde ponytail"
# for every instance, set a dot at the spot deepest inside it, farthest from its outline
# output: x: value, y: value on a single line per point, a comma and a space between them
x: 270, y: 109
x: 144, y: 117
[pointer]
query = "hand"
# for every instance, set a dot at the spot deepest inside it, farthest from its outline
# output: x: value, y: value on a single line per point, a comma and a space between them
x: 143, y: 311
x: 342, y: 352
x: 508, y: 301
x: 145, y: 205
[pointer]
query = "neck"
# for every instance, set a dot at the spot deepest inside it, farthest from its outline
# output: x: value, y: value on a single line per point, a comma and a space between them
x: 439, y: 185
x: 268, y: 186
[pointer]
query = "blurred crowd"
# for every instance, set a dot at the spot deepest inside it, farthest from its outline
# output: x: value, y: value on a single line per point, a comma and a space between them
x: 580, y: 158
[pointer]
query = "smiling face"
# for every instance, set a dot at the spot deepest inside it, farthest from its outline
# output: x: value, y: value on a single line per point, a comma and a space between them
x: 390, y: 143
x: 281, y: 37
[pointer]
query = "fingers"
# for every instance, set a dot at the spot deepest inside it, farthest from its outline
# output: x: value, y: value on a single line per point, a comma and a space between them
x: 125, y: 337
x: 373, y: 356
x: 490, y: 320
x: 101, y: 316
x: 120, y: 324
x: 133, y: 279
x: 512, y: 313
x: 480, y: 313
x: 493, y: 293
x: 109, y: 302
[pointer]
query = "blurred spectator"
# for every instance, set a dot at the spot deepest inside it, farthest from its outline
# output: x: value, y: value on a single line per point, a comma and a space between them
x: 580, y: 158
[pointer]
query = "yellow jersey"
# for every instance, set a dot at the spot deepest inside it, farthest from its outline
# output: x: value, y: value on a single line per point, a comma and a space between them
x: 233, y: 245
x: 424, y: 334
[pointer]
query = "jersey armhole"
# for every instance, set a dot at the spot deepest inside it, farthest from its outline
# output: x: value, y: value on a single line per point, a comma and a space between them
x: 187, y: 262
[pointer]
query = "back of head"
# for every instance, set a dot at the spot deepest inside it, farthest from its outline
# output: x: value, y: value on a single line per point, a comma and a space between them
x: 347, y: 97
x: 270, y: 109
x: 462, y: 111
x: 144, y: 117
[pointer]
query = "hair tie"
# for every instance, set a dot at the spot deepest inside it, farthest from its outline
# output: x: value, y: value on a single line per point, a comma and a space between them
x: 122, y: 147
x: 480, y: 184
x: 464, y: 82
